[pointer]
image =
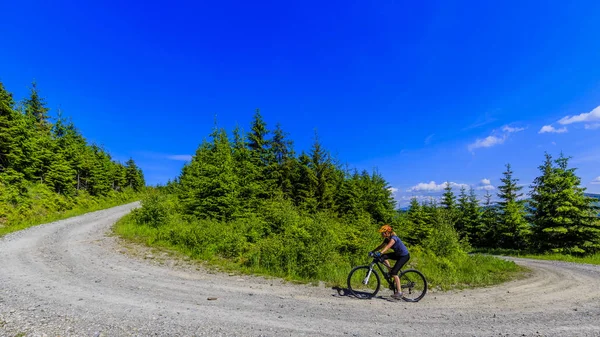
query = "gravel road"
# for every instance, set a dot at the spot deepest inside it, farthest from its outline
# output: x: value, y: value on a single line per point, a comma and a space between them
x: 74, y: 278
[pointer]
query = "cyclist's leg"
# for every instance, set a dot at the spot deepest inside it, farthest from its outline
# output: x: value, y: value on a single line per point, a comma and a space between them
x: 400, y: 262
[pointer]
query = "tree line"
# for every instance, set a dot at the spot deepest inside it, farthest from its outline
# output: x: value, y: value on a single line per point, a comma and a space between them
x: 556, y: 216
x: 232, y: 176
x: 52, y: 156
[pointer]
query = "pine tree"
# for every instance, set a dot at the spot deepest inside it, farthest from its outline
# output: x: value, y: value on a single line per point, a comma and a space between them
x: 133, y: 179
x: 462, y: 212
x: 262, y: 155
x: 35, y: 107
x: 489, y: 223
x: 449, y: 199
x: 247, y: 172
x: 323, y: 169
x: 563, y: 218
x: 283, y: 154
x: 305, y: 184
x: 209, y: 186
x: 513, y: 229
x: 349, y: 197
x: 7, y: 116
x: 421, y: 223
x: 448, y: 205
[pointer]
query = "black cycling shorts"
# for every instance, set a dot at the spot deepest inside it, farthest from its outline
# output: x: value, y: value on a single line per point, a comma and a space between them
x: 400, y: 261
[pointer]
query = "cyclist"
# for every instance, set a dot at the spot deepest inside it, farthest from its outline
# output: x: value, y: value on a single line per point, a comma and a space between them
x: 400, y: 254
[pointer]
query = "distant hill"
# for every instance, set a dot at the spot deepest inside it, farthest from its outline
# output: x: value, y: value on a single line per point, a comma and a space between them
x: 593, y: 195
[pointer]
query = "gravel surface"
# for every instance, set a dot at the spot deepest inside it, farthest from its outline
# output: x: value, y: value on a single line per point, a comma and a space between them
x: 74, y: 278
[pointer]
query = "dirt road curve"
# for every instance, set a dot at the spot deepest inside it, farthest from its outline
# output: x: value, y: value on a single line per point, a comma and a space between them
x: 70, y: 278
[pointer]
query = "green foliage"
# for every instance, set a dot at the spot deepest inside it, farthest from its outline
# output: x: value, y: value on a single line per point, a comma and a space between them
x: 253, y: 205
x: 513, y: 230
x: 564, y: 219
x: 48, y: 170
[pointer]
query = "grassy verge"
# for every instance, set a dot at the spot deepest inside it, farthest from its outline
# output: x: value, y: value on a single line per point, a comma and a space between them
x: 443, y: 273
x: 81, y: 206
x: 591, y: 259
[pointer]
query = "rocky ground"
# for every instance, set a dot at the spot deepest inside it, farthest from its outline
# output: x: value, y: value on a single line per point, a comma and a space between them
x: 74, y: 278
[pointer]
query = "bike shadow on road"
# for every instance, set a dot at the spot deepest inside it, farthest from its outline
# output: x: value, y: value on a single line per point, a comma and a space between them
x: 344, y: 292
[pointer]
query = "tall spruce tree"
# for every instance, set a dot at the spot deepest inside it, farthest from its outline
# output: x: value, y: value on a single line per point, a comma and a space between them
x: 563, y: 218
x: 282, y: 167
x: 35, y: 107
x: 489, y: 223
x: 324, y: 172
x: 7, y: 115
x: 421, y: 227
x: 513, y: 229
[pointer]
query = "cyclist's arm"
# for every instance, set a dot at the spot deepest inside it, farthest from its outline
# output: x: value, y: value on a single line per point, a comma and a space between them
x: 388, y: 246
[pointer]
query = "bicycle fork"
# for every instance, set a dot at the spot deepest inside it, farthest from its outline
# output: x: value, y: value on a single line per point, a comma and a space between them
x: 366, y: 279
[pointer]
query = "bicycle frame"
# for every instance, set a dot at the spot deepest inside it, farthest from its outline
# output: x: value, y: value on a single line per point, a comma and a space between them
x: 386, y: 276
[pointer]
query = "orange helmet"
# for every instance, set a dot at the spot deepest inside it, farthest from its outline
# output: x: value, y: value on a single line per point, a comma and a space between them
x: 385, y: 228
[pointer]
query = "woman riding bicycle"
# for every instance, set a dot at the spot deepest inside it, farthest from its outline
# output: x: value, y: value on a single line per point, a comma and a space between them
x: 400, y: 254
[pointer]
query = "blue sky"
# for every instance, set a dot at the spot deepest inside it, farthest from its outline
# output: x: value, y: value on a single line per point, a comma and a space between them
x: 423, y: 92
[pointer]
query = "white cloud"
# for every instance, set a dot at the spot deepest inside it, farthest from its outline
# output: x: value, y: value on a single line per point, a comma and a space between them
x: 433, y: 187
x: 494, y: 139
x: 488, y: 141
x: 591, y: 116
x: 393, y: 190
x: 551, y: 129
x: 509, y: 129
x: 596, y: 181
x: 180, y: 157
x: 592, y: 126
x: 485, y: 184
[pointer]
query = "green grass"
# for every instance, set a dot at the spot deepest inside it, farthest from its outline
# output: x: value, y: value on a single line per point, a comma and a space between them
x: 443, y: 273
x: 90, y: 206
x: 591, y: 259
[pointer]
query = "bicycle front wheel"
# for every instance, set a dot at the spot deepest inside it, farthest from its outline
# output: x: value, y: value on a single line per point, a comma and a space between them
x: 413, y: 285
x: 363, y: 282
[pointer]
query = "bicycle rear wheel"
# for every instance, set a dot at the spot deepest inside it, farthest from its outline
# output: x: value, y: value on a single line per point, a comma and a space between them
x: 413, y: 285
x: 363, y: 282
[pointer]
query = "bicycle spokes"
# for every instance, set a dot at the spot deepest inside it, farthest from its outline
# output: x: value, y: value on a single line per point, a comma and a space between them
x: 413, y: 285
x: 363, y: 282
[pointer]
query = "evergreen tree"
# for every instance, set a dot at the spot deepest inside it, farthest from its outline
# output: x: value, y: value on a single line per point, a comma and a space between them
x: 349, y: 196
x: 421, y: 224
x: 246, y: 171
x: 282, y: 167
x: 262, y: 155
x: 35, y: 107
x: 563, y: 218
x: 468, y: 215
x: 324, y: 170
x: 513, y: 229
x: 209, y: 185
x: 473, y: 214
x: 449, y: 199
x: 462, y: 210
x: 7, y: 116
x: 305, y: 184
x: 489, y: 223
x: 133, y: 177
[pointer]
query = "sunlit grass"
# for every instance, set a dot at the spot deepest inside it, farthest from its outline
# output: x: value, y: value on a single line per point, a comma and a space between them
x: 97, y: 204
x: 442, y: 273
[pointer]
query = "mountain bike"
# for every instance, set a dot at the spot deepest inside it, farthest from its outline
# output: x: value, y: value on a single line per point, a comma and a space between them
x: 364, y: 281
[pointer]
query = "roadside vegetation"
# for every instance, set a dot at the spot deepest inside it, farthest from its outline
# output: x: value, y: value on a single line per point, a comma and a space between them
x: 48, y: 171
x: 248, y: 202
